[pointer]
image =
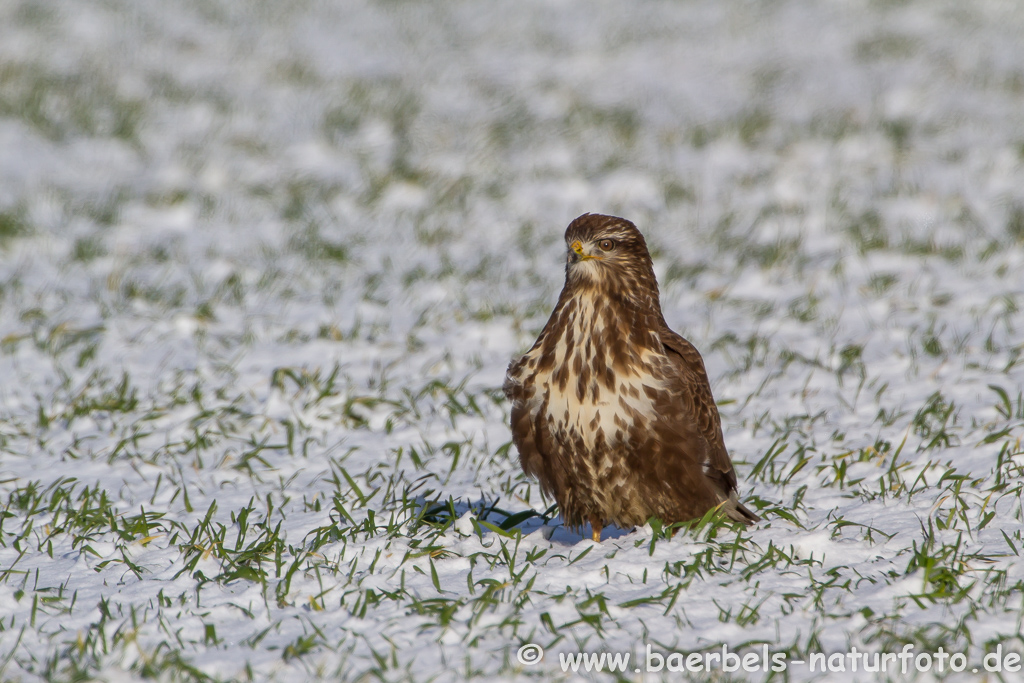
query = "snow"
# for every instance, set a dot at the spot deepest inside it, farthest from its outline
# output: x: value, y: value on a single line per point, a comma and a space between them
x: 262, y: 267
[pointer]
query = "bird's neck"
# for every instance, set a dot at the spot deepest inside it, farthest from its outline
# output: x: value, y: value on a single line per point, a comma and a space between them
x: 615, y: 315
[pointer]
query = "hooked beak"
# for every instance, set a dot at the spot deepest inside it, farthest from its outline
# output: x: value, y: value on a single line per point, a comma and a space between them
x: 576, y: 253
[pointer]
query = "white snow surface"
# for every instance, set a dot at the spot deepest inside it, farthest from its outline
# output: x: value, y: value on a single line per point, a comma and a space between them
x: 263, y: 266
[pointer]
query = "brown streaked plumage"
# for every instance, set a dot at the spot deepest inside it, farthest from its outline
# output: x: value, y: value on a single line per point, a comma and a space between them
x: 611, y: 410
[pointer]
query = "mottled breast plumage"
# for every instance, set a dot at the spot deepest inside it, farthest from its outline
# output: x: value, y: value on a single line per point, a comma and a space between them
x: 610, y: 408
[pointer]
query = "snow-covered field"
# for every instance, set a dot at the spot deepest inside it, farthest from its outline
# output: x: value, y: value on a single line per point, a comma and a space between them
x: 263, y: 265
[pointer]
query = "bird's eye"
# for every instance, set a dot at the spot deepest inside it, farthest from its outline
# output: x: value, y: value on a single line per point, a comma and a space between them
x: 606, y: 245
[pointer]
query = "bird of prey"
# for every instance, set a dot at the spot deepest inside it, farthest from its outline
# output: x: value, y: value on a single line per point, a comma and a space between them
x: 611, y: 410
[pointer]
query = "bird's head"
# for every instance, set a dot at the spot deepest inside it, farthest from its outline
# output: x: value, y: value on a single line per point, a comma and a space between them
x: 610, y: 254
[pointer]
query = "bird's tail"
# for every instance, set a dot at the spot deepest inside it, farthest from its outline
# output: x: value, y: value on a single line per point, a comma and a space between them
x: 737, y: 512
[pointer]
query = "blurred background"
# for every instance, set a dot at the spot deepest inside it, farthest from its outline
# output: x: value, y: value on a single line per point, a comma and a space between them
x: 248, y: 247
x: 249, y: 185
x: 750, y: 130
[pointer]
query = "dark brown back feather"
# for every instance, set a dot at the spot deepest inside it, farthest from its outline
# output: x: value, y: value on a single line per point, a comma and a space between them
x: 696, y: 393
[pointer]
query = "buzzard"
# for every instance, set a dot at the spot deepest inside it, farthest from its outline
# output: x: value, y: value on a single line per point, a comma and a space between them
x: 611, y: 410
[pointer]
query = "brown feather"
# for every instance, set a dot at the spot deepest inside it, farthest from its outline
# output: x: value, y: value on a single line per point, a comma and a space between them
x: 612, y: 411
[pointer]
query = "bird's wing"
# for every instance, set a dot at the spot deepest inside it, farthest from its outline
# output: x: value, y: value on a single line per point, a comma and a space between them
x: 694, y: 391
x: 530, y: 432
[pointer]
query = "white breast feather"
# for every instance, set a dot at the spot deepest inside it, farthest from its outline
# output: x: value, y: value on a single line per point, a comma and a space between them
x: 567, y: 413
